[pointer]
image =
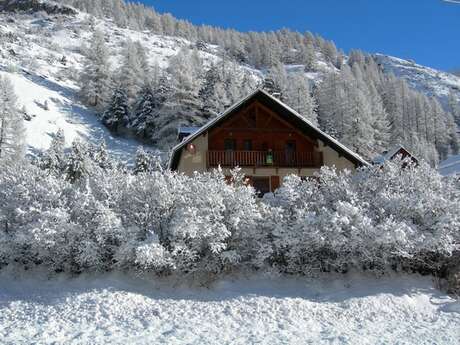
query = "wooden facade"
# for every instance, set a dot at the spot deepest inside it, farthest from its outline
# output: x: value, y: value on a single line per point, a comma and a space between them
x: 258, y: 137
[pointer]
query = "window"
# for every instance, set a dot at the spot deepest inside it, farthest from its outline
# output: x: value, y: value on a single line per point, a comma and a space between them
x: 247, y: 145
x: 290, y: 146
x: 290, y: 153
x: 229, y: 144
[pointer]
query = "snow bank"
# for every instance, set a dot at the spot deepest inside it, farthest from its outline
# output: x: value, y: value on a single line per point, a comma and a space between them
x: 120, y: 309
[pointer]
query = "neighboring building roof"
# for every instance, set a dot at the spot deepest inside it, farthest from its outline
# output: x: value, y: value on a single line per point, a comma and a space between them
x: 281, y: 108
x: 391, y: 154
x: 184, y: 132
x: 187, y: 130
x: 451, y: 166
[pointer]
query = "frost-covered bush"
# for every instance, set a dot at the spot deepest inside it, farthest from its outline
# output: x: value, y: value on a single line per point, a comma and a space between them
x: 376, y: 218
x: 81, y: 211
x: 189, y: 224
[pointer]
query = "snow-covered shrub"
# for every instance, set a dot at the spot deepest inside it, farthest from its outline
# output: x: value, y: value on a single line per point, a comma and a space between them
x: 80, y: 211
x: 374, y: 219
x: 34, y: 216
x: 188, y: 224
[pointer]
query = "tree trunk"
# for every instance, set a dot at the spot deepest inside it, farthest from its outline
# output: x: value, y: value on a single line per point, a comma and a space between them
x: 2, y: 135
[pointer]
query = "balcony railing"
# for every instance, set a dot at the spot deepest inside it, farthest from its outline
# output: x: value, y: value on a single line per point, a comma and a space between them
x: 265, y: 159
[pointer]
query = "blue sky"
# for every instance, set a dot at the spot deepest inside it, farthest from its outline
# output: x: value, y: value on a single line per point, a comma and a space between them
x: 427, y: 31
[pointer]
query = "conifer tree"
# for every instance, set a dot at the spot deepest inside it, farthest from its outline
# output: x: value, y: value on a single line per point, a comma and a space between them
x: 182, y: 106
x: 116, y: 115
x: 53, y: 159
x: 134, y: 70
x: 298, y: 96
x: 275, y: 81
x: 101, y: 157
x: 95, y: 79
x: 77, y: 163
x: 11, y: 122
x: 146, y: 113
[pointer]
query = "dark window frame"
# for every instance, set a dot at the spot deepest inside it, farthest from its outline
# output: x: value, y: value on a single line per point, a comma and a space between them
x: 247, y: 145
x: 232, y: 146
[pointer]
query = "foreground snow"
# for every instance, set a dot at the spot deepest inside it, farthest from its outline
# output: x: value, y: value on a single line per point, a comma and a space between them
x: 119, y: 309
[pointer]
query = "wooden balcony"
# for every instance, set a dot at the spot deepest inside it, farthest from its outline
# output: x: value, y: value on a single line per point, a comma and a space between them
x: 278, y: 159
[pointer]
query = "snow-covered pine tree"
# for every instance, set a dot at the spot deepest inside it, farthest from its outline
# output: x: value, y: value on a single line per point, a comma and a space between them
x: 441, y: 134
x: 183, y: 105
x: 144, y: 118
x: 77, y: 164
x: 53, y: 159
x: 275, y: 81
x: 298, y: 96
x: 454, y: 107
x: 307, y: 56
x: 95, y: 79
x: 134, y: 70
x: 11, y: 122
x: 146, y: 162
x: 116, y: 116
x: 101, y: 157
x: 330, y: 52
x: 453, y: 139
x: 211, y: 92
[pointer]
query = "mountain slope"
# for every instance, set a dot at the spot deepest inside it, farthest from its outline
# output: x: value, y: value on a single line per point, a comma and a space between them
x: 43, y: 55
x: 51, y: 106
x: 428, y: 80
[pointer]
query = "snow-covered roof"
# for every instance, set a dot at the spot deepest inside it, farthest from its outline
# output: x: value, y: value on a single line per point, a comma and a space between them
x: 264, y: 96
x: 390, y: 154
x: 187, y: 130
x: 451, y: 166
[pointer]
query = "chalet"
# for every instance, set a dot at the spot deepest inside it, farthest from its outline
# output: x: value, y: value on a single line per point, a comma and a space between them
x: 397, y: 151
x: 264, y: 137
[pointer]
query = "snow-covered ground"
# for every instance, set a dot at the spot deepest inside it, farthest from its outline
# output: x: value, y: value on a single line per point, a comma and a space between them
x: 121, y: 309
x: 451, y: 166
x: 428, y: 80
x: 63, y: 113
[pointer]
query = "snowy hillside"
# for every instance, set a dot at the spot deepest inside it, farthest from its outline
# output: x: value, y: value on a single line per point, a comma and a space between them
x: 120, y: 309
x: 61, y: 113
x: 43, y: 57
x: 44, y: 54
x: 428, y: 80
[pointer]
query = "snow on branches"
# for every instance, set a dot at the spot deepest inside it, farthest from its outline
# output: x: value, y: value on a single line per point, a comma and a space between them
x: 105, y: 217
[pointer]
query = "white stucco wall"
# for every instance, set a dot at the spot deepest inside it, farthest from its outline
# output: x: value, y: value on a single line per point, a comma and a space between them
x: 191, y: 162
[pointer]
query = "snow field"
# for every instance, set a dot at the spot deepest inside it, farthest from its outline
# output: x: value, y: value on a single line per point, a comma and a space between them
x: 122, y: 309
